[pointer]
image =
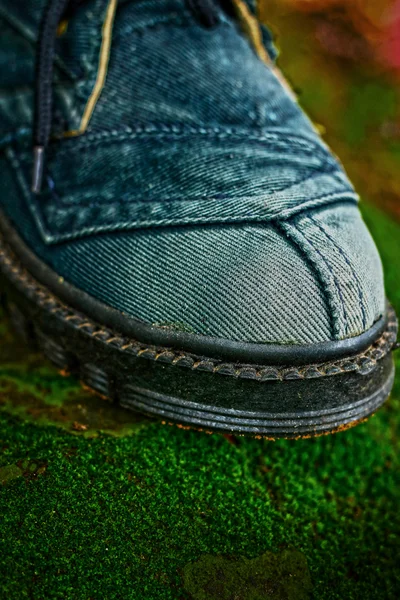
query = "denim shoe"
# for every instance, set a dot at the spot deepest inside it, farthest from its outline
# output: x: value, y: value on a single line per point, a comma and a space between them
x: 173, y: 229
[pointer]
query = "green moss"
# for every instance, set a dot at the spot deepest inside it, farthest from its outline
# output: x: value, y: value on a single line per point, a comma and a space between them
x: 24, y: 468
x: 364, y: 114
x: 9, y: 472
x: 283, y: 576
x: 79, y: 412
x: 33, y: 390
x: 122, y: 517
x: 175, y: 326
x: 386, y: 234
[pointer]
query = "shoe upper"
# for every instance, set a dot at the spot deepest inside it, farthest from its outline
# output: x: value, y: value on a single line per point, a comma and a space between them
x: 199, y: 196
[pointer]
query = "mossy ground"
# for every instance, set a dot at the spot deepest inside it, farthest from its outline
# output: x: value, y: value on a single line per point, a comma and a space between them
x: 97, y: 503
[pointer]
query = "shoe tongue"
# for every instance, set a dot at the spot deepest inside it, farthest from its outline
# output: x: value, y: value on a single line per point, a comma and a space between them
x: 25, y: 15
x: 88, y: 14
x: 84, y: 26
x: 77, y: 46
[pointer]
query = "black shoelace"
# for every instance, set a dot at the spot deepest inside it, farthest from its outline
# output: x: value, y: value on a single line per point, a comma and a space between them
x: 206, y: 11
x: 44, y: 86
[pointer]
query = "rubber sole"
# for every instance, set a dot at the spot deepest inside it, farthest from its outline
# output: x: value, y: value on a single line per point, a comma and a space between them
x: 202, y: 392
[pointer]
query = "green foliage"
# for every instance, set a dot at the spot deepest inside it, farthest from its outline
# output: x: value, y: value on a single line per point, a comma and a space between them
x: 369, y: 104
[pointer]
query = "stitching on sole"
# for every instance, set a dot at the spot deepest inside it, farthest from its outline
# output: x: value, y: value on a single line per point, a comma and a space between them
x: 363, y: 363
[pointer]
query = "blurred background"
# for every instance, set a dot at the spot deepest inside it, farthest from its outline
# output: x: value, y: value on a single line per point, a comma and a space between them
x: 101, y: 503
x: 342, y: 57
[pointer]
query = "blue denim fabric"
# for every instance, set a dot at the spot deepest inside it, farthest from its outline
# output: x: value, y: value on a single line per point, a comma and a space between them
x: 200, y: 196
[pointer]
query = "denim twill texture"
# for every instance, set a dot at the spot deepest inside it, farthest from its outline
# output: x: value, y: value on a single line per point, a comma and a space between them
x: 201, y: 197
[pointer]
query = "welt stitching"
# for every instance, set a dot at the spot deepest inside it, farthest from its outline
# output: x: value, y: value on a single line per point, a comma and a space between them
x: 268, y: 144
x: 127, y: 225
x: 363, y: 362
x: 155, y: 127
x: 123, y: 226
x: 185, y: 134
x: 173, y: 222
x: 275, y: 133
x: 335, y: 244
x: 336, y: 282
x: 284, y: 147
x: 163, y: 130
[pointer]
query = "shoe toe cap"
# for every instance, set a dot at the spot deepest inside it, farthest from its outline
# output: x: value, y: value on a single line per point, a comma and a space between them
x: 313, y: 278
x: 337, y: 243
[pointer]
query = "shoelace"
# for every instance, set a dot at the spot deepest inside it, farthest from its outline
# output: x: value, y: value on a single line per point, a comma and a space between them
x: 206, y: 11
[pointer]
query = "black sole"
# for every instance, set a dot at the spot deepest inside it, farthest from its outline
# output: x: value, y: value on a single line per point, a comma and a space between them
x: 204, y: 392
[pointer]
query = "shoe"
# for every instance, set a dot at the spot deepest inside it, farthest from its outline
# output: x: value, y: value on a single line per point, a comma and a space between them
x: 173, y: 229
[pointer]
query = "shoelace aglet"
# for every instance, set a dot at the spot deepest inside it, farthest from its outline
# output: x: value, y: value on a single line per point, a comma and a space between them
x: 38, y: 169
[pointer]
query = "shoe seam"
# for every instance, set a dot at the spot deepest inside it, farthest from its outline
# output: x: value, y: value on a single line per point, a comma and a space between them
x: 353, y: 272
x: 336, y: 283
x: 54, y: 238
x: 283, y: 232
x: 97, y: 198
x: 279, y: 139
x: 313, y: 264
